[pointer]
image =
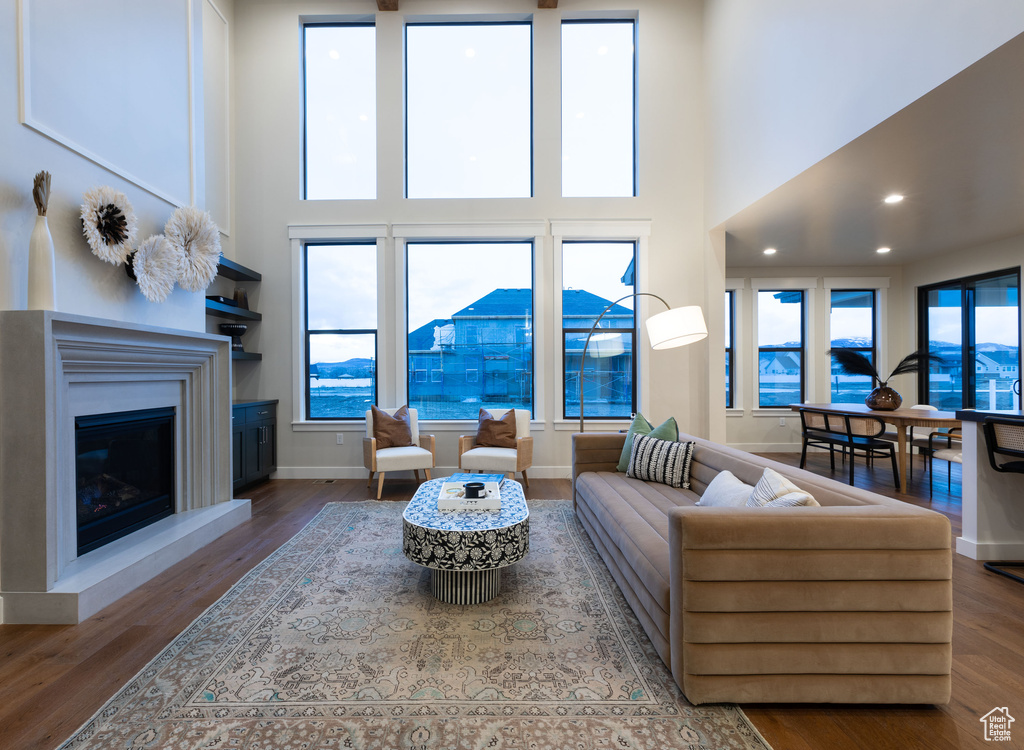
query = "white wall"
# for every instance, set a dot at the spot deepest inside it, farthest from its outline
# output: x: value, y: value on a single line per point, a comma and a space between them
x: 791, y: 81
x: 268, y: 99
x: 85, y: 284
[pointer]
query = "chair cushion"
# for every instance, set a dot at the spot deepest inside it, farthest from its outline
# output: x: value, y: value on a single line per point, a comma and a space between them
x: 391, y: 431
x: 404, y: 458
x: 489, y: 459
x: 496, y: 433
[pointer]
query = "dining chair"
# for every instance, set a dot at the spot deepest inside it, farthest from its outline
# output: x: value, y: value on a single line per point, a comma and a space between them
x: 1004, y: 438
x: 858, y: 435
x: 945, y: 446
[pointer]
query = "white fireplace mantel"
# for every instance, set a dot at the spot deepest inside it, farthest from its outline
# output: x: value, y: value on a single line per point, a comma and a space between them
x: 55, y: 367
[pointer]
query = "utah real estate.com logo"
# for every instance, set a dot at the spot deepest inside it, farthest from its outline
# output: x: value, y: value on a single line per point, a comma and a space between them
x: 997, y: 724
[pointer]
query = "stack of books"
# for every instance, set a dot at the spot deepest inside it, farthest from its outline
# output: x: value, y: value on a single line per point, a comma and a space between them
x: 453, y: 493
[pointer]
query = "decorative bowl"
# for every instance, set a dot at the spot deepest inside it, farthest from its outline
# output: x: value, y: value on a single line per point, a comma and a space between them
x: 235, y: 331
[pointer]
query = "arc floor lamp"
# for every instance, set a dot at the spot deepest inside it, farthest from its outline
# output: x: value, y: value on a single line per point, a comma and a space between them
x: 675, y: 327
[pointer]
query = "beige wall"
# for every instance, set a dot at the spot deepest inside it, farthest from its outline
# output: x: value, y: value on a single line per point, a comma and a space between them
x: 267, y: 86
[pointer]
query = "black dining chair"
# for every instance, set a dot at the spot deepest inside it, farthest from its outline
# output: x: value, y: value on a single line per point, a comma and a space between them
x: 858, y: 435
x: 1004, y: 438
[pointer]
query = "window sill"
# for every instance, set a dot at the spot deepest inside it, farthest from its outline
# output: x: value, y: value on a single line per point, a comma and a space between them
x: 592, y: 424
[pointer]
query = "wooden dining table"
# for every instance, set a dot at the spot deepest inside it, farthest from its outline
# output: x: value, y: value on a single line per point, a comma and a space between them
x: 903, y: 419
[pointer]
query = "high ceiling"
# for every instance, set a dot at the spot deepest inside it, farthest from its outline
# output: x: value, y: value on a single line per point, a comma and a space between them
x: 957, y: 154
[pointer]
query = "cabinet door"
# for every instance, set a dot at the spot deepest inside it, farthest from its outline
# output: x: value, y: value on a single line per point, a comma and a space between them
x: 251, y: 452
x: 268, y: 448
x: 237, y: 455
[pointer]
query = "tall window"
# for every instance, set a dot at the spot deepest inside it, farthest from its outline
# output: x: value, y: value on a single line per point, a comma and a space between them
x: 341, y: 330
x: 595, y: 274
x: 470, y: 324
x: 340, y: 147
x: 974, y: 325
x: 852, y: 326
x: 730, y: 347
x: 469, y: 110
x: 598, y: 108
x: 780, y: 348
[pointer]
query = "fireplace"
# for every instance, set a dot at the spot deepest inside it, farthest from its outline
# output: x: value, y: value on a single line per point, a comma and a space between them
x: 124, y: 473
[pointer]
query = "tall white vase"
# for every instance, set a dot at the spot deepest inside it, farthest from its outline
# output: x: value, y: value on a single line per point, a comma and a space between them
x: 42, y: 280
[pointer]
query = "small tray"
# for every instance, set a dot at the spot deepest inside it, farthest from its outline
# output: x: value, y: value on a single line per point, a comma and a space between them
x: 222, y: 300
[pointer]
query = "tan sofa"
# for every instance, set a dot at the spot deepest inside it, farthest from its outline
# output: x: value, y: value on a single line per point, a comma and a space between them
x: 850, y: 602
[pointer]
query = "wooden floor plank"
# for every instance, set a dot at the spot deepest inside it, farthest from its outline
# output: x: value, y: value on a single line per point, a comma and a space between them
x: 65, y: 673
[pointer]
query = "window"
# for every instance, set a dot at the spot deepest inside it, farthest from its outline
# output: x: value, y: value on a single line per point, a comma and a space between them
x: 780, y: 348
x: 477, y: 332
x: 852, y: 326
x: 340, y: 147
x: 469, y: 110
x: 341, y: 330
x: 595, y: 274
x: 598, y: 109
x: 730, y: 347
x: 972, y: 320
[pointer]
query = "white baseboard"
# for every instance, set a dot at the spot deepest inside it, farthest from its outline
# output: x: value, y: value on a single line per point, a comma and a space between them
x: 358, y: 472
x: 989, y: 550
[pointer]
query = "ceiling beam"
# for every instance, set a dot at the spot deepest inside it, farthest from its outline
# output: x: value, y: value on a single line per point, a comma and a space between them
x: 387, y: 4
x: 547, y: 3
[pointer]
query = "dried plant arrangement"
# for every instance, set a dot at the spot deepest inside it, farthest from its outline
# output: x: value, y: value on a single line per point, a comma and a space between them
x: 41, y: 191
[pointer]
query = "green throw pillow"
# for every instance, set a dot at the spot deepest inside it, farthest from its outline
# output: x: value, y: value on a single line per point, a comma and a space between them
x: 667, y: 430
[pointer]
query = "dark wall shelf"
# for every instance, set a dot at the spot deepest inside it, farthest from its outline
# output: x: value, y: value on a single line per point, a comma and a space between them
x: 236, y: 271
x: 246, y: 355
x: 220, y: 310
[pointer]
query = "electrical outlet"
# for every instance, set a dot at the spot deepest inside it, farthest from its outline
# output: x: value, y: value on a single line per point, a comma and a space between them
x: 340, y: 436
x: 782, y: 421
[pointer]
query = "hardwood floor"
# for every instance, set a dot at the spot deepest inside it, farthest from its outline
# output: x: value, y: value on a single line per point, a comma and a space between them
x: 53, y: 678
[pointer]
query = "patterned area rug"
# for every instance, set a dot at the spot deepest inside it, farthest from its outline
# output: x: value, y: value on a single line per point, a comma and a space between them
x: 334, y: 641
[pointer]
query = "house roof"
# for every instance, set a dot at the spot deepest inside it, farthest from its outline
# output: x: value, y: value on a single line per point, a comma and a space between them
x: 516, y: 303
x: 422, y: 339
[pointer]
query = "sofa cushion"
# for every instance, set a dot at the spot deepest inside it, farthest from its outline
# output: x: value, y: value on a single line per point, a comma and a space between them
x: 496, y: 433
x: 667, y: 430
x: 726, y: 490
x: 391, y: 431
x: 775, y: 488
x: 661, y: 461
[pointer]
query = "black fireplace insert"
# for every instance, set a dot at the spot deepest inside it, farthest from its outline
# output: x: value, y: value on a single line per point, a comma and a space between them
x: 125, y: 473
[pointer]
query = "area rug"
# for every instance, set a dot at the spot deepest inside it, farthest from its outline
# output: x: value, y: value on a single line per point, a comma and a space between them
x: 335, y: 641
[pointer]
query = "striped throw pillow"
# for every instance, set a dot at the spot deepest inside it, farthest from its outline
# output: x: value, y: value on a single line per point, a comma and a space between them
x: 663, y: 461
x: 775, y: 491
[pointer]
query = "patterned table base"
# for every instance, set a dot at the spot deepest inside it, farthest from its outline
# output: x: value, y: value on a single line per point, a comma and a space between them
x: 465, y: 586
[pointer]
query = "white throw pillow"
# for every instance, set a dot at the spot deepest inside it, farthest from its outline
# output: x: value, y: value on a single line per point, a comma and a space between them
x: 726, y: 491
x: 775, y: 491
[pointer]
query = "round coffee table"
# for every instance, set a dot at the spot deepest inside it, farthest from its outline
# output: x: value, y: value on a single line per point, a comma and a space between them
x: 466, y: 550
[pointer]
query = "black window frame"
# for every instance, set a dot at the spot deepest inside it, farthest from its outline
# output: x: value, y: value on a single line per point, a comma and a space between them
x: 873, y: 349
x: 730, y: 350
x: 632, y: 331
x: 405, y: 101
x: 636, y: 89
x: 967, y: 344
x: 307, y: 337
x: 802, y: 349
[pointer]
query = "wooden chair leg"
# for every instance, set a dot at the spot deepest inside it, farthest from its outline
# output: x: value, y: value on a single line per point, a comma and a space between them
x: 427, y: 472
x: 380, y: 484
x: 416, y: 474
x: 369, y: 481
x: 526, y: 479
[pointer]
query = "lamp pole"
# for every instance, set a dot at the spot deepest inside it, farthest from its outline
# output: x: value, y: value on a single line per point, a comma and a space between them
x: 583, y: 357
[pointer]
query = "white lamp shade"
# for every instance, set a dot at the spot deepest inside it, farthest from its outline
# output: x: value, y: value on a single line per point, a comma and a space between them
x: 676, y: 327
x: 606, y: 345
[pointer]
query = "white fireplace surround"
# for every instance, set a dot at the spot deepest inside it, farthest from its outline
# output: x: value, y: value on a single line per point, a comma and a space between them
x: 55, y: 367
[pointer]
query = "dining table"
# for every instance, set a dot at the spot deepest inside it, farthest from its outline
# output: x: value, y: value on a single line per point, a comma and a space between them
x: 903, y: 419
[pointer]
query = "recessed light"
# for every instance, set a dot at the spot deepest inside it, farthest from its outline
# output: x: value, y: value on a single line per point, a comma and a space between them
x: 894, y: 198
x: 883, y: 250
x: 769, y: 251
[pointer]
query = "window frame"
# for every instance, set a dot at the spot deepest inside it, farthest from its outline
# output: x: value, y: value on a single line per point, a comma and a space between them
x: 307, y: 333
x: 635, y: 150
x: 479, y: 375
x: 873, y: 349
x: 969, y: 377
x: 355, y: 22
x: 405, y: 100
x: 633, y: 331
x: 730, y: 351
x: 802, y: 349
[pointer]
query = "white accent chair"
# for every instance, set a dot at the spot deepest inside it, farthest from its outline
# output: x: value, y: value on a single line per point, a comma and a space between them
x: 503, y: 460
x: 412, y: 458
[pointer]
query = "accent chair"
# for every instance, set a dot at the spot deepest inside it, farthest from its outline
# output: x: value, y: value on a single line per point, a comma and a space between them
x: 503, y: 460
x: 414, y: 457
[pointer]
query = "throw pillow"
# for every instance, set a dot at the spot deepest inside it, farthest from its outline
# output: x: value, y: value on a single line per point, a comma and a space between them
x: 496, y: 433
x: 664, y: 461
x: 726, y: 491
x: 391, y: 431
x: 774, y: 487
x: 667, y: 430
